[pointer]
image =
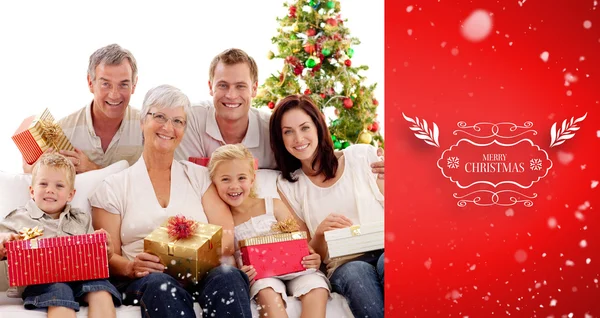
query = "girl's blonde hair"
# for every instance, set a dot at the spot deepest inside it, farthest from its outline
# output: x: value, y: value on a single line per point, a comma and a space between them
x: 232, y: 152
x: 56, y: 161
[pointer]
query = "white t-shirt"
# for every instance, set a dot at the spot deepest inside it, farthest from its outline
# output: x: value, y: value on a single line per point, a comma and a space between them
x: 130, y: 194
x: 203, y: 137
x: 355, y: 194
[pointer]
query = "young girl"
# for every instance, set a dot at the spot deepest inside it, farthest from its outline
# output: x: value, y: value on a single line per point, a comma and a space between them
x: 328, y: 191
x: 231, y: 169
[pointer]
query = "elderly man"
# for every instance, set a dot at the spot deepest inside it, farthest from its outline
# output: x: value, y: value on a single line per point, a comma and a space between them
x: 107, y: 129
x: 233, y: 82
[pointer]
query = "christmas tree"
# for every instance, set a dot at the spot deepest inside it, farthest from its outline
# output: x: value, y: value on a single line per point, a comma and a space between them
x: 317, y: 51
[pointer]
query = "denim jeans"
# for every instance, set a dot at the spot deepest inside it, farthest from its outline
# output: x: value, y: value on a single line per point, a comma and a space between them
x: 361, y: 282
x: 223, y: 292
x: 68, y: 295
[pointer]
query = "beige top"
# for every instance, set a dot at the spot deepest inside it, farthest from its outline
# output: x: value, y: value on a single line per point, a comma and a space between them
x: 71, y: 221
x: 125, y: 145
x: 203, y: 136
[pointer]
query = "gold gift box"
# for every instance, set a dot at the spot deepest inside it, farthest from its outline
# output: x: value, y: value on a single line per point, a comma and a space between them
x: 187, y: 260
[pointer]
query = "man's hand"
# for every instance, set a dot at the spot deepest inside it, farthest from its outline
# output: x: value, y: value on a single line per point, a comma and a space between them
x: 80, y: 160
x: 378, y: 167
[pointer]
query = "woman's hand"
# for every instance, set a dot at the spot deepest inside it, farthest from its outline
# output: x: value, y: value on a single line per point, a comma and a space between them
x: 313, y: 260
x: 333, y: 221
x: 144, y: 264
x: 250, y: 272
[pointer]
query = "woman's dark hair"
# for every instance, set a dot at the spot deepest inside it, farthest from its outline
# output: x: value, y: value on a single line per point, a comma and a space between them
x: 324, y: 158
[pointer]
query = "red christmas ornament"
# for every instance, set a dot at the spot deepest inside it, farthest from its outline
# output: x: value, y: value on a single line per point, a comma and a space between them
x: 271, y: 105
x: 298, y: 70
x: 348, y: 63
x: 348, y: 102
x: 374, y: 127
x: 307, y: 92
x: 375, y: 102
x: 332, y: 22
x: 323, y: 96
x: 309, y: 48
x: 317, y: 67
x: 311, y: 32
x: 292, y: 11
x: 179, y: 227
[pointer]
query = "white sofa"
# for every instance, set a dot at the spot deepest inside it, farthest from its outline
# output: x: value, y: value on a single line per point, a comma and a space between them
x: 13, y: 193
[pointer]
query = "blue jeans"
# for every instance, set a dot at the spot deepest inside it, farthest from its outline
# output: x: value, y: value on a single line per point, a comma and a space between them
x: 68, y: 295
x: 224, y: 292
x: 361, y: 283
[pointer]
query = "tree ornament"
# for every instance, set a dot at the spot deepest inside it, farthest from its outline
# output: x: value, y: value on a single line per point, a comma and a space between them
x: 332, y: 22
x: 348, y: 103
x: 293, y: 36
x: 311, y: 32
x: 335, y: 122
x: 330, y: 4
x: 375, y: 102
x: 325, y: 51
x: 292, y: 12
x: 298, y: 70
x: 348, y: 62
x: 307, y: 91
x: 314, y: 4
x: 270, y: 55
x: 365, y: 137
x: 271, y: 105
x: 374, y: 127
x: 322, y: 95
x: 350, y: 52
x: 309, y: 48
x: 333, y: 138
x: 337, y: 145
x: 345, y: 145
x: 311, y: 62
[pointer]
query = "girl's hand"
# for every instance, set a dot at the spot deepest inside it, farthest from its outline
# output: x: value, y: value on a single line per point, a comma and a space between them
x: 109, y: 247
x: 333, y: 221
x: 250, y: 272
x: 144, y: 264
x: 313, y: 260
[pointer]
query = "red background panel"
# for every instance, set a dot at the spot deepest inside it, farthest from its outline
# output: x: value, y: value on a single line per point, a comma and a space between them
x: 450, y: 261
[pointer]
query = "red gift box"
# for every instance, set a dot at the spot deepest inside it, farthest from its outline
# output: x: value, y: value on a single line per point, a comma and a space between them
x: 38, y: 133
x: 203, y: 161
x: 57, y: 259
x: 276, y: 254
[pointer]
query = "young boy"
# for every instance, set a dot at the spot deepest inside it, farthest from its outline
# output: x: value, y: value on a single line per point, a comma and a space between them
x: 52, y: 187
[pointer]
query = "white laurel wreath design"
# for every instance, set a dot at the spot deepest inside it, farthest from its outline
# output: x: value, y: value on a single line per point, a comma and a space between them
x: 566, y: 132
x: 423, y: 131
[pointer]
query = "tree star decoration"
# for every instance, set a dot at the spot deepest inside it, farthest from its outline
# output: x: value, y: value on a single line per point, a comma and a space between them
x: 423, y: 131
x: 565, y: 132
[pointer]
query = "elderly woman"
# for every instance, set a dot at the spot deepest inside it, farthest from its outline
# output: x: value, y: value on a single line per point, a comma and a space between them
x: 132, y: 203
x: 328, y: 191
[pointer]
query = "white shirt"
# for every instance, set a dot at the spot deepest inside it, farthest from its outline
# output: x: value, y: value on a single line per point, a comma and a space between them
x: 130, y: 194
x: 203, y: 137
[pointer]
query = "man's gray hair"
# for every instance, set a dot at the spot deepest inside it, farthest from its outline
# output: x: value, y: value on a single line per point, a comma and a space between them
x: 111, y: 55
x: 164, y: 96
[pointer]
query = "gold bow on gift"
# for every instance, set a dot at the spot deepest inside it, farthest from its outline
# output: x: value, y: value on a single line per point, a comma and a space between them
x: 29, y: 233
x: 288, y: 226
x: 50, y: 132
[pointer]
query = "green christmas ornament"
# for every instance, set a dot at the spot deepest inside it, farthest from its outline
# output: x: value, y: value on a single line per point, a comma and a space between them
x: 326, y: 51
x: 350, y: 52
x: 314, y: 4
x: 311, y: 62
x: 337, y: 145
x: 330, y: 4
x: 335, y: 123
x: 345, y: 145
x: 293, y: 37
x: 333, y: 138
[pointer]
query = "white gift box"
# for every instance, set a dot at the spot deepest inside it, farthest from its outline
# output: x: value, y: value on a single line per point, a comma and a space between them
x: 355, y: 239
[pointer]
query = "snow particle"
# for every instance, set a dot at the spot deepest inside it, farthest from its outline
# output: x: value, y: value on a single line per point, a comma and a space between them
x: 409, y: 8
x: 544, y: 56
x: 565, y: 157
x: 587, y: 24
x: 553, y: 303
x: 509, y: 212
x: 477, y: 26
x: 552, y: 223
x: 428, y: 263
x: 588, y: 261
x: 454, y: 51
x: 594, y: 183
x: 583, y: 243
x: 520, y: 256
x: 570, y: 263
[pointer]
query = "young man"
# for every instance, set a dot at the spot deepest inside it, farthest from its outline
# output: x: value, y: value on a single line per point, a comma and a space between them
x: 233, y: 82
x: 107, y: 130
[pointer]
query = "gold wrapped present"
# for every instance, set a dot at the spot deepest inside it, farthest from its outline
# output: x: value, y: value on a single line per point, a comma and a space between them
x: 38, y: 133
x: 189, y: 256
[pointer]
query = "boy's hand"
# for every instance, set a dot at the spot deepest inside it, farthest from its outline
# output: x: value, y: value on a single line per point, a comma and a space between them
x: 313, y: 260
x: 109, y: 247
x: 250, y: 272
x: 5, y: 238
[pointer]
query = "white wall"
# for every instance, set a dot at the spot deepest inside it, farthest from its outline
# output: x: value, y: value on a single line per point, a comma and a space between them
x: 45, y: 47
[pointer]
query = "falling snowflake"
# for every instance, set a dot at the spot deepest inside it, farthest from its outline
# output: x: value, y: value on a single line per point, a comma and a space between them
x: 535, y: 164
x: 453, y: 162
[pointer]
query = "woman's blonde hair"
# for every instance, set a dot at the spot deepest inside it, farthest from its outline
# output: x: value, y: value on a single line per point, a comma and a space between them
x: 232, y: 152
x: 55, y: 161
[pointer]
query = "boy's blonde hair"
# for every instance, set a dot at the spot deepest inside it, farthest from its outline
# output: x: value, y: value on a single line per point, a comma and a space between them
x: 56, y: 161
x: 232, y: 152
